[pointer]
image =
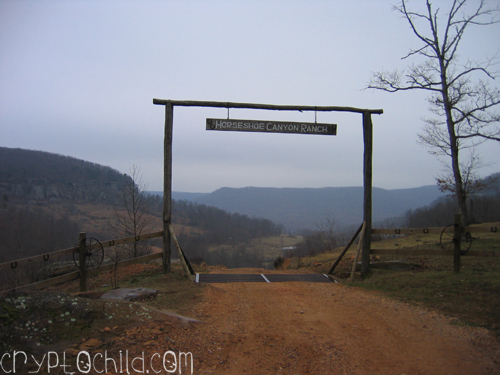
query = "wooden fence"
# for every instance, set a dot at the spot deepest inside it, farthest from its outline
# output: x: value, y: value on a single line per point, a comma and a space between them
x: 82, y: 250
x: 472, y: 230
x: 458, y: 230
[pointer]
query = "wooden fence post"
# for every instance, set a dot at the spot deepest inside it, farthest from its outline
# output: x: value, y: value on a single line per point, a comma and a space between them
x: 457, y: 233
x: 82, y: 261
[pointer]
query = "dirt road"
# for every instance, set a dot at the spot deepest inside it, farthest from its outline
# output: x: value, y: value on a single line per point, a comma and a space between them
x: 266, y: 328
x: 327, y: 328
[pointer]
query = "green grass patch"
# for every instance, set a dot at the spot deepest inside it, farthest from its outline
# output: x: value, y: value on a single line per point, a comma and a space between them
x: 472, y: 296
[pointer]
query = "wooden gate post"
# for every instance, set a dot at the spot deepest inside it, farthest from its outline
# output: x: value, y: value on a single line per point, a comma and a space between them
x: 367, y: 183
x: 82, y: 260
x: 167, y: 186
x: 457, y: 233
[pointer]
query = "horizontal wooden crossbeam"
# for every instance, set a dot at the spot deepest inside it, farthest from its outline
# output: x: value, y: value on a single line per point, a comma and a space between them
x: 124, y: 240
x: 408, y: 231
x: 274, y: 107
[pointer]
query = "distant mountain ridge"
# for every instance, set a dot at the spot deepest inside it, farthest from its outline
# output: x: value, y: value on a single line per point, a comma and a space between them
x: 37, y: 177
x: 298, y: 208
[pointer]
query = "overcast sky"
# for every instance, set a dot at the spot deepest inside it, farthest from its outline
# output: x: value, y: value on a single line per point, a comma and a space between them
x: 78, y: 78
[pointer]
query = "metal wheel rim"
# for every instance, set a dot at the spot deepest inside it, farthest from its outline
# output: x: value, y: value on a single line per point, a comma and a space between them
x: 95, y: 254
x: 447, y: 242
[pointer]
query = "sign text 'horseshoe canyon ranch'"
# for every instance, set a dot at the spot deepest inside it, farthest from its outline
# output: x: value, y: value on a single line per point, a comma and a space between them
x: 271, y: 126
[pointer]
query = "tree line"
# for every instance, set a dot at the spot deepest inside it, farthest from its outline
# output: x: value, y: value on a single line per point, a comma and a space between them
x: 224, y: 227
x: 27, y: 232
x: 482, y: 209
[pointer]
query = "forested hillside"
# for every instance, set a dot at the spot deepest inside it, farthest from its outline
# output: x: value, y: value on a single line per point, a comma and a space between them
x: 482, y: 208
x: 223, y: 237
x: 40, y: 176
x: 47, y: 199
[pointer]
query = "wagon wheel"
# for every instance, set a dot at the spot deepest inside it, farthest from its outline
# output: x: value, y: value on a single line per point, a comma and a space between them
x: 447, y: 242
x: 94, y: 254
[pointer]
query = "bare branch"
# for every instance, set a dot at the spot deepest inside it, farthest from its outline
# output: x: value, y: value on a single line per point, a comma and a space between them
x: 465, y: 112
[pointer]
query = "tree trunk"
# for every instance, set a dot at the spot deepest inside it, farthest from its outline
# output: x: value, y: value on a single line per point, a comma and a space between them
x: 460, y: 192
x: 454, y: 146
x: 455, y: 164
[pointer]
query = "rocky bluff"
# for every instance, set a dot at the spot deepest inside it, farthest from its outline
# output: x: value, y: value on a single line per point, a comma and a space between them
x: 40, y: 189
x: 42, y: 176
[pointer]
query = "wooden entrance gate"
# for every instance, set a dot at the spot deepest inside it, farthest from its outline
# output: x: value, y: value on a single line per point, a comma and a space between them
x: 367, y: 161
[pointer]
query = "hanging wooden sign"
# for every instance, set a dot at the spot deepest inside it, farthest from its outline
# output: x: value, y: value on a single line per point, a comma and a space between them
x: 271, y: 126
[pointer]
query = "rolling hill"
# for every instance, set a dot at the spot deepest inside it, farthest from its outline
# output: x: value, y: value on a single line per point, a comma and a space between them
x: 298, y: 208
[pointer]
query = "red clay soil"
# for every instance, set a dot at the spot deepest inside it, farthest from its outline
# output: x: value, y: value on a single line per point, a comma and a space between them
x: 323, y: 328
x: 327, y: 328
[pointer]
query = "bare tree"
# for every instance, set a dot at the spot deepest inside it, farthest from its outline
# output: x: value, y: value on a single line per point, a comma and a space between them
x: 133, y: 217
x: 328, y: 233
x: 461, y: 98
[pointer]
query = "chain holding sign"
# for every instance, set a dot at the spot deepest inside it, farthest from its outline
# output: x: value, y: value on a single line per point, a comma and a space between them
x: 271, y: 126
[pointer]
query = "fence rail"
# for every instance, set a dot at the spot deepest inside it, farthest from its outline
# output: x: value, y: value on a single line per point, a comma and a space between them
x: 434, y: 252
x: 456, y: 238
x: 458, y: 230
x: 433, y: 230
x: 38, y: 258
x: 71, y: 250
x: 76, y: 275
x: 81, y: 274
x: 125, y: 240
